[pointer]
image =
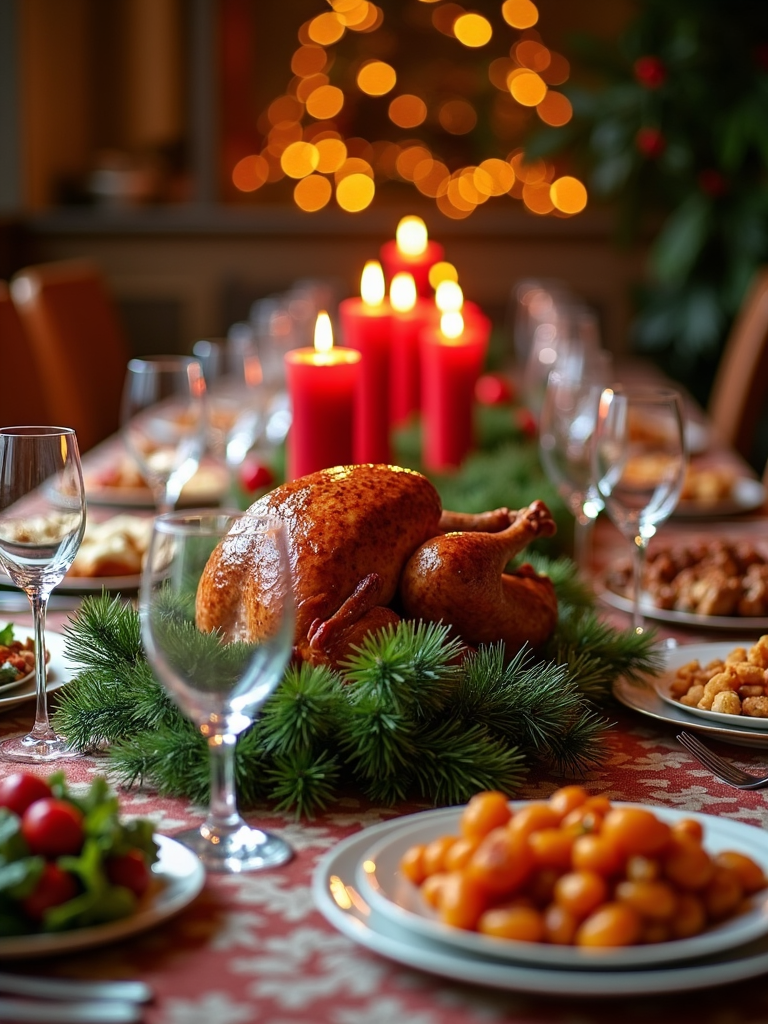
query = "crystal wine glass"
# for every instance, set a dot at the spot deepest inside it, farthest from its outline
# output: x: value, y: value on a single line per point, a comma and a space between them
x: 566, y: 431
x: 640, y: 459
x: 42, y: 520
x: 234, y: 382
x: 164, y: 422
x: 218, y: 679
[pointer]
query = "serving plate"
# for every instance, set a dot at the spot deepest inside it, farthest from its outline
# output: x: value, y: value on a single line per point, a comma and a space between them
x: 746, y: 496
x: 340, y: 901
x: 392, y: 895
x: 178, y: 877
x: 643, y: 696
x: 756, y: 623
x: 89, y: 584
x: 206, y: 487
x: 60, y: 671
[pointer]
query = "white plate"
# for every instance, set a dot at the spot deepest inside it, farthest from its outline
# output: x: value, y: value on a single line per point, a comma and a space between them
x: 60, y: 671
x: 759, y: 624
x: 90, y: 584
x: 696, y: 437
x: 642, y: 696
x: 206, y: 487
x: 391, y: 894
x: 663, y: 684
x: 179, y: 875
x: 339, y: 900
x: 746, y: 496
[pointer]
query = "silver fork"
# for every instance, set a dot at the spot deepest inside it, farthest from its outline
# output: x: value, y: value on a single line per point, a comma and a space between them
x: 722, y: 769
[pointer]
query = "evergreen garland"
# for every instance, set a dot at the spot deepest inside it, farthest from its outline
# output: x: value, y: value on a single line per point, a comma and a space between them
x: 402, y: 719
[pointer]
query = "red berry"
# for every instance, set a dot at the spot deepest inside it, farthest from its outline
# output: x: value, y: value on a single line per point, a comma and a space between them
x: 712, y: 182
x: 650, y: 72
x: 19, y: 790
x: 254, y: 476
x: 526, y: 421
x: 491, y: 389
x: 650, y: 142
x: 53, y: 888
x: 52, y: 828
x: 130, y: 870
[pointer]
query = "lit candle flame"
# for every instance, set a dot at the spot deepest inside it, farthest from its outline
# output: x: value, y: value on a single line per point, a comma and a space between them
x: 323, y: 333
x: 452, y: 324
x: 411, y: 236
x: 372, y: 287
x: 449, y: 298
x: 402, y: 292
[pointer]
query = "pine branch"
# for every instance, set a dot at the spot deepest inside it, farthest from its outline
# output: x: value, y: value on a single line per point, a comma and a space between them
x: 303, y: 712
x: 104, y: 633
x: 302, y: 782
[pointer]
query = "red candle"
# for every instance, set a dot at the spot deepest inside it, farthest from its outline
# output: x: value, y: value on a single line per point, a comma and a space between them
x: 450, y: 368
x: 321, y: 382
x: 410, y: 315
x: 411, y: 252
x: 366, y: 325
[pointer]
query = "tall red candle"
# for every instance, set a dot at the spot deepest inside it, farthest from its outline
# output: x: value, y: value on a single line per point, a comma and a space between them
x: 411, y: 252
x: 366, y: 325
x: 410, y: 315
x: 450, y: 368
x: 322, y: 384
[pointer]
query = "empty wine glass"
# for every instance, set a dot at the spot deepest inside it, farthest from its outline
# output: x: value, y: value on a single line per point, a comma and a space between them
x: 566, y: 431
x: 164, y: 422
x: 234, y: 381
x: 219, y: 679
x: 42, y: 520
x: 640, y: 459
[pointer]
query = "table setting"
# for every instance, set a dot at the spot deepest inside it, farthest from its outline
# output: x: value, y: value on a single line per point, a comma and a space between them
x: 294, y: 684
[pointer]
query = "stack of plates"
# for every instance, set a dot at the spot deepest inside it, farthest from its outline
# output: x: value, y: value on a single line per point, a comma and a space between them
x: 652, y: 697
x: 358, y: 888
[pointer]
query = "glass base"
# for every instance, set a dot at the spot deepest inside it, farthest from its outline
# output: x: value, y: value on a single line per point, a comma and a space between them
x: 37, y: 750
x: 243, y: 849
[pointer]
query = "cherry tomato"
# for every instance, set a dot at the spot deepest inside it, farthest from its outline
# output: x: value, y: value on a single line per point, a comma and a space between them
x: 412, y: 864
x: 53, y: 888
x: 501, y: 862
x: 462, y: 900
x: 485, y: 811
x: 52, y: 827
x: 532, y: 818
x: 635, y: 830
x: 524, y: 924
x: 19, y: 790
x: 130, y: 870
x: 612, y: 924
x: 750, y: 874
x: 565, y: 799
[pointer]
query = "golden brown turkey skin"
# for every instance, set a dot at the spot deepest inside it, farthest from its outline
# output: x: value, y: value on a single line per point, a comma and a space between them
x: 459, y: 578
x: 343, y: 524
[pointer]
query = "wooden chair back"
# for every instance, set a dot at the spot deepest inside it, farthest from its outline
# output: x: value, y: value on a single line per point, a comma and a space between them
x: 78, y: 343
x: 23, y: 401
x: 741, y: 383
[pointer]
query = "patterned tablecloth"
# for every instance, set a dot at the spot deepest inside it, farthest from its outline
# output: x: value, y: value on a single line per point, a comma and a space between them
x: 255, y: 948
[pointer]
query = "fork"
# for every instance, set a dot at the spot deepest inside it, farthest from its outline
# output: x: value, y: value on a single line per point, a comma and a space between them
x: 720, y: 768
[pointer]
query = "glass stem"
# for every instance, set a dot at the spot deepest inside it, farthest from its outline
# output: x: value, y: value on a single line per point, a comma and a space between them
x: 638, y: 564
x: 42, y: 728
x: 223, y: 815
x: 582, y: 541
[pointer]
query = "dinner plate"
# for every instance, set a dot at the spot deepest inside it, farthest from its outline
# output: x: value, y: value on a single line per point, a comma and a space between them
x: 696, y: 437
x: 339, y: 900
x: 205, y: 488
x: 644, y: 697
x: 391, y: 894
x: 664, y: 683
x: 745, y: 623
x: 60, y: 671
x: 746, y: 496
x: 89, y: 584
x: 178, y: 876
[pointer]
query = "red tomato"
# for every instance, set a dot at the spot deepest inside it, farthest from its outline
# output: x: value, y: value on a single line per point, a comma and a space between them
x: 19, y: 790
x: 53, y: 887
x: 130, y: 870
x: 52, y: 828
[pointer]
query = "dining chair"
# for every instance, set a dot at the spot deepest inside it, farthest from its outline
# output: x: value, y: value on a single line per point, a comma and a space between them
x: 740, y: 388
x: 23, y: 398
x: 78, y: 343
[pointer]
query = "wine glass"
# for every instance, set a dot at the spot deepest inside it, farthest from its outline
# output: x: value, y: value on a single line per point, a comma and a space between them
x: 640, y: 459
x: 164, y: 422
x: 42, y: 520
x: 234, y: 383
x: 218, y: 679
x: 566, y: 431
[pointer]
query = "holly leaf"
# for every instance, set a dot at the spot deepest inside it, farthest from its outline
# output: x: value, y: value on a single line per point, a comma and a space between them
x: 681, y: 239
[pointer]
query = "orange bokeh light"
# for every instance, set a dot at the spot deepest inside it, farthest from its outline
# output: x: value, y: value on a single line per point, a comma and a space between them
x: 407, y: 111
x: 519, y: 13
x: 325, y: 102
x: 568, y: 194
x: 555, y: 109
x: 312, y: 193
x: 355, y: 193
x: 250, y: 173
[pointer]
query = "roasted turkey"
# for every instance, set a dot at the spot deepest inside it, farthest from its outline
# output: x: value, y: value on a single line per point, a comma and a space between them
x: 370, y: 543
